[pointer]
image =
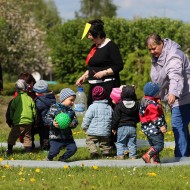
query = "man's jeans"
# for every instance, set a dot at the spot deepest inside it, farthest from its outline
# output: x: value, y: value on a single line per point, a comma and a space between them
x: 180, y: 121
x: 127, y: 138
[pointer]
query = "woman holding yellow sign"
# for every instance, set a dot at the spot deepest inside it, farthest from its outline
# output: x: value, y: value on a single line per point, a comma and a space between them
x: 104, y: 61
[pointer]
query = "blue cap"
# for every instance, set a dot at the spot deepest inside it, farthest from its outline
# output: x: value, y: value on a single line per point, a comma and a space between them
x: 151, y: 89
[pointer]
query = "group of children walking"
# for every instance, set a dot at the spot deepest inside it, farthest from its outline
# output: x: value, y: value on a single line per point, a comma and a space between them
x: 100, y: 120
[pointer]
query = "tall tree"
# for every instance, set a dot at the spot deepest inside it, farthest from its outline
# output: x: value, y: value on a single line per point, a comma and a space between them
x: 96, y: 9
x: 23, y: 33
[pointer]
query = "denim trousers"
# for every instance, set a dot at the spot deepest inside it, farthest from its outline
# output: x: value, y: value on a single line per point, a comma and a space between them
x: 127, y: 140
x: 58, y: 144
x: 156, y: 141
x: 180, y: 122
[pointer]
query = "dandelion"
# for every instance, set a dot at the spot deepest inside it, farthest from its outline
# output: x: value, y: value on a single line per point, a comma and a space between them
x: 3, y: 176
x: 20, y: 173
x: 151, y: 174
x: 37, y: 170
x: 134, y: 169
x: 32, y: 179
x: 66, y: 167
x: 74, y: 133
x: 22, y: 179
x: 6, y: 166
x: 1, y: 159
x: 95, y: 167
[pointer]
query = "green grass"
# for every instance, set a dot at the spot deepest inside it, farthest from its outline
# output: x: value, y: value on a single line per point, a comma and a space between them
x: 89, y: 178
x: 95, y: 178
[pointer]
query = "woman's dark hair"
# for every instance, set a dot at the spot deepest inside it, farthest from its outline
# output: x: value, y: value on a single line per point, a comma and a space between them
x: 97, y: 28
x: 27, y: 77
x: 155, y: 38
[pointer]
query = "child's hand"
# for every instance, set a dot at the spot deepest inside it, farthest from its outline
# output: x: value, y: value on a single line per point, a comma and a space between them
x: 55, y: 124
x: 114, y: 131
x: 163, y: 129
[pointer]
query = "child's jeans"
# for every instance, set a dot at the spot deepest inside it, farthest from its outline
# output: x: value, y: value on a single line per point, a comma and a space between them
x: 157, y: 141
x: 127, y: 137
x: 57, y: 144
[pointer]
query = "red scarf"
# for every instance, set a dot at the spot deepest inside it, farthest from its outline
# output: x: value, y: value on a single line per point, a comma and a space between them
x: 93, y: 50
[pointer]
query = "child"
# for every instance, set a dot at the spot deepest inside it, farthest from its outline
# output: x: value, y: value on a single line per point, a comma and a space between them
x: 62, y: 137
x: 44, y: 100
x: 97, y: 123
x: 125, y: 119
x: 116, y: 95
x: 153, y: 122
x: 22, y: 114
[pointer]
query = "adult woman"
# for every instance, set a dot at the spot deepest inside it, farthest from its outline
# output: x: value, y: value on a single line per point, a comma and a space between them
x: 171, y: 70
x: 104, y: 61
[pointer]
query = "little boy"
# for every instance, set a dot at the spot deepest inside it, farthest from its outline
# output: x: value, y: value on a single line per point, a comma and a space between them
x: 62, y: 137
x: 22, y: 114
x: 43, y: 101
x: 97, y: 123
x: 124, y: 122
x: 153, y: 122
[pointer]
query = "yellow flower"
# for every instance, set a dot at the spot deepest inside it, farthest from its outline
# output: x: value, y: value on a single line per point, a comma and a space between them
x: 37, y: 170
x: 66, y: 167
x: 1, y: 159
x: 74, y: 133
x: 32, y: 179
x: 20, y: 173
x: 95, y: 167
x: 22, y: 179
x: 6, y: 166
x: 3, y: 176
x: 151, y: 174
x: 12, y: 158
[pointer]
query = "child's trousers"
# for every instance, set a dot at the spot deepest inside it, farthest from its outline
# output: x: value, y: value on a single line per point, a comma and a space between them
x: 24, y: 130
x: 104, y: 144
x: 57, y: 144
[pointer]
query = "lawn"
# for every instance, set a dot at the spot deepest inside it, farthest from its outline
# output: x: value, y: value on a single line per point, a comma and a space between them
x: 101, y: 178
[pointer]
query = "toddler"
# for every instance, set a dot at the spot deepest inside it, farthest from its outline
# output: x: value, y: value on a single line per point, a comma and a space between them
x: 153, y: 122
x: 22, y: 115
x: 60, y: 138
x: 43, y: 101
x: 97, y: 123
x: 125, y: 119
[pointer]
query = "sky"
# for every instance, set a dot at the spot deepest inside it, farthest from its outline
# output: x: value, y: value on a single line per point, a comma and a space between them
x: 174, y: 9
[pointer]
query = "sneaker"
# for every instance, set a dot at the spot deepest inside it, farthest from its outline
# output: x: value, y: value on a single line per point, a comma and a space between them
x: 94, y: 155
x: 48, y: 159
x: 61, y: 159
x: 121, y: 157
x: 8, y: 152
x: 132, y: 158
